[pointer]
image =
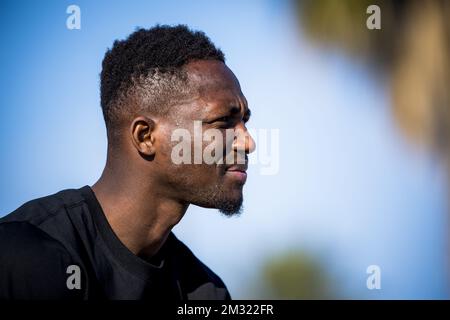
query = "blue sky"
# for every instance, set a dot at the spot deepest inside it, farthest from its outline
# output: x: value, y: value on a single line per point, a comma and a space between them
x: 350, y: 187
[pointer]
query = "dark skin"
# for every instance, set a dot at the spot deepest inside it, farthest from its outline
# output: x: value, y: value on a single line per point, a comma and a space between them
x: 143, y: 193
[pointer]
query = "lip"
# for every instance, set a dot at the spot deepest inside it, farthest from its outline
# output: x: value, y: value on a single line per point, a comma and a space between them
x: 238, y: 167
x: 237, y: 172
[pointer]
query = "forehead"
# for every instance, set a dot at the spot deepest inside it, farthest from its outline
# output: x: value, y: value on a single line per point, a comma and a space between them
x: 216, y: 85
x: 211, y: 74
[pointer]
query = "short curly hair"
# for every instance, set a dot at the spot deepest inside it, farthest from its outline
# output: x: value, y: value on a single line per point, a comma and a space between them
x: 145, y: 71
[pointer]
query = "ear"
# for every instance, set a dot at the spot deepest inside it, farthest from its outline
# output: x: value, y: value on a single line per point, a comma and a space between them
x: 142, y: 135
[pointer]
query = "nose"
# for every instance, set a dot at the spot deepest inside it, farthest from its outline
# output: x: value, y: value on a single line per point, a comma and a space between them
x: 243, y: 140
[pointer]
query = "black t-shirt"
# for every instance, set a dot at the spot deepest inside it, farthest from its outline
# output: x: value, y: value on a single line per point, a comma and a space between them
x: 62, y: 247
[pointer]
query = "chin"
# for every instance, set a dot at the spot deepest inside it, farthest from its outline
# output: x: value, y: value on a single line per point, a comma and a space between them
x: 231, y: 209
x: 231, y: 206
x: 227, y: 198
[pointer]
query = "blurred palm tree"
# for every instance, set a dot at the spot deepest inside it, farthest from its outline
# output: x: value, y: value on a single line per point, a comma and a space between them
x: 412, y: 50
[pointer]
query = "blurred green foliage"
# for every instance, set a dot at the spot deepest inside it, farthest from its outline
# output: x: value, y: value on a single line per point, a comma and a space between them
x: 296, y: 275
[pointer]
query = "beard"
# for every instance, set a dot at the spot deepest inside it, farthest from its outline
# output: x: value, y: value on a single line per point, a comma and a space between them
x: 218, y: 196
x: 224, y: 195
x: 228, y: 203
x: 230, y: 209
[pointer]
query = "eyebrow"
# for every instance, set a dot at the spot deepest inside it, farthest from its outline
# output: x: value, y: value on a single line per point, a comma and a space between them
x: 235, y: 109
x: 247, y: 114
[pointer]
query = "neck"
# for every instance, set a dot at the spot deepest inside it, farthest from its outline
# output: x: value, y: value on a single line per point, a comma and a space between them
x: 141, y: 217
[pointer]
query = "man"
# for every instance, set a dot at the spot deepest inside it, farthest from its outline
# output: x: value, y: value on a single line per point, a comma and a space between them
x: 114, y: 240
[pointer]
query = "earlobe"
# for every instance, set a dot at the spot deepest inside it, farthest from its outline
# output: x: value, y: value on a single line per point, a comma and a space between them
x: 142, y: 135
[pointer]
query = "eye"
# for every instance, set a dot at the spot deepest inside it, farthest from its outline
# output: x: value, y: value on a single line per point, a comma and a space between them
x: 223, y: 119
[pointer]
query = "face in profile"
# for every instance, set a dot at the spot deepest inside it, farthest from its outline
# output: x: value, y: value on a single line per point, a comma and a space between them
x: 219, y: 107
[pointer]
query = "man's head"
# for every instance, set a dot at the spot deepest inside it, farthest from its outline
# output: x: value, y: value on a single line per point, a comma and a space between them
x: 165, y: 79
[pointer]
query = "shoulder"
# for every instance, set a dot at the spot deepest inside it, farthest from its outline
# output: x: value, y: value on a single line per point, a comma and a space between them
x: 23, y: 238
x: 33, y: 265
x: 199, y: 281
x: 38, y: 210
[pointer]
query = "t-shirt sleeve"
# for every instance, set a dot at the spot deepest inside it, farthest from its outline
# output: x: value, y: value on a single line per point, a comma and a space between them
x: 34, y: 265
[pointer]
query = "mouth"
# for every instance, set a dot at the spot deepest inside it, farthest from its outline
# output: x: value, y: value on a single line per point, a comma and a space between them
x: 237, y: 172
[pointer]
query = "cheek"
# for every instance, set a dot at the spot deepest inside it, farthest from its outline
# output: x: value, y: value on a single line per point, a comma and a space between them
x: 194, y: 173
x: 215, y: 147
x: 195, y: 177
x: 204, y: 172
